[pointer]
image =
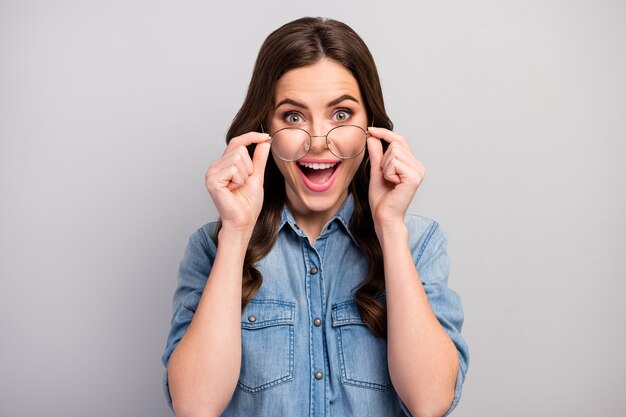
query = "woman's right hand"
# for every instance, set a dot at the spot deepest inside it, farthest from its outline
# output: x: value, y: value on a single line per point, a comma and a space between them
x: 235, y: 182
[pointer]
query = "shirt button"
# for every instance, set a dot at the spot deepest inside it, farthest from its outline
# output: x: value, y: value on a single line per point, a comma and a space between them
x: 314, y: 270
x: 317, y: 322
x: 251, y: 318
x: 319, y: 375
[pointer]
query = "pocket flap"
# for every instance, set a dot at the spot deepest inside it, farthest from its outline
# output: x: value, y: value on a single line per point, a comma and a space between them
x: 346, y: 312
x: 263, y: 313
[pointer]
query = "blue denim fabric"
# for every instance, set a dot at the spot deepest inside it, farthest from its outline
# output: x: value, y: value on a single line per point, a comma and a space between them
x: 283, y: 348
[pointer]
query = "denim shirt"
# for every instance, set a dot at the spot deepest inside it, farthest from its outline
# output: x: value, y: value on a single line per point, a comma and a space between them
x: 305, y: 349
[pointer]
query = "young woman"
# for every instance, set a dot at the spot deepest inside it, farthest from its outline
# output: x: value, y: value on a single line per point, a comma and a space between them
x: 315, y: 294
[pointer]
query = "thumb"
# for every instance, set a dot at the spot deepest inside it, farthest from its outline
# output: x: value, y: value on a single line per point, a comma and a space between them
x: 259, y: 159
x: 375, y: 150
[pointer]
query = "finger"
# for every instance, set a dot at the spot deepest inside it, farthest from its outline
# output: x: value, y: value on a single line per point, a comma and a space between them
x: 259, y: 159
x: 243, y: 161
x: 387, y: 135
x: 397, y: 151
x: 220, y: 172
x: 248, y: 139
x: 375, y: 151
x: 242, y: 174
x: 247, y: 160
x: 238, y: 156
x: 220, y: 177
x: 398, y: 170
x: 237, y: 178
x: 390, y: 171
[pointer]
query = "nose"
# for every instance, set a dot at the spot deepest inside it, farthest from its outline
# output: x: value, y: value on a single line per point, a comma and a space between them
x: 318, y: 139
x: 318, y: 144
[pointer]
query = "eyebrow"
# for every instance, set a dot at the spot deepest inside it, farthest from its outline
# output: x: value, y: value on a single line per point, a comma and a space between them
x: 330, y: 104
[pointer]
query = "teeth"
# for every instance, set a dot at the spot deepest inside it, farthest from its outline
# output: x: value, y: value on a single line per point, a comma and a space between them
x: 318, y: 165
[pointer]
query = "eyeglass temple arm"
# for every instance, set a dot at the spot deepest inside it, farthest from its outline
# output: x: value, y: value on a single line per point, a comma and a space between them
x: 268, y: 140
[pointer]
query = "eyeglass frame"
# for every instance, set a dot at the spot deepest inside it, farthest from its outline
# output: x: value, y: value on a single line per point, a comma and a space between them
x: 269, y: 140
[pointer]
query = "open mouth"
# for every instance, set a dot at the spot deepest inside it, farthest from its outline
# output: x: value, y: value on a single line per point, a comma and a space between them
x: 318, y: 173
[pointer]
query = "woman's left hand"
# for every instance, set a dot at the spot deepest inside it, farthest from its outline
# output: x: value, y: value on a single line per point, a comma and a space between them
x: 394, y: 177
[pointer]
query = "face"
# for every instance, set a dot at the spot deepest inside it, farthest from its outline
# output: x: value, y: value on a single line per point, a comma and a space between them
x: 317, y: 98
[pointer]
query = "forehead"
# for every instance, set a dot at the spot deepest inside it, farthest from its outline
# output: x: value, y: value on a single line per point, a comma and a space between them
x: 322, y: 81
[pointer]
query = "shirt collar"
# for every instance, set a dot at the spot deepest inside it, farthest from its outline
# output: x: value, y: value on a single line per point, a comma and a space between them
x: 342, y: 217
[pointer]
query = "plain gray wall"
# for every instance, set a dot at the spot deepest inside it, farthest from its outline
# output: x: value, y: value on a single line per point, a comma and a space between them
x: 110, y: 113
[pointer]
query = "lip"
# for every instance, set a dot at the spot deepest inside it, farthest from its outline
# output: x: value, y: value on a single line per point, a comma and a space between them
x: 318, y: 188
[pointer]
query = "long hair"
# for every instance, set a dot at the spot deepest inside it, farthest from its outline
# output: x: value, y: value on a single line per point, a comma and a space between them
x: 297, y: 44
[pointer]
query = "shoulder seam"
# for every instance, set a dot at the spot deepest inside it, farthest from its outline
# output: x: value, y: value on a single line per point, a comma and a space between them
x: 204, y: 238
x: 431, y: 232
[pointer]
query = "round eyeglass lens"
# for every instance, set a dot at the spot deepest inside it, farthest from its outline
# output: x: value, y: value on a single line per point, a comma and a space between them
x: 290, y: 144
x: 346, y: 142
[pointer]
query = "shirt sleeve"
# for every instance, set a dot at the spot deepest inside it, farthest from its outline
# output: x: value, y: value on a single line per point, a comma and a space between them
x: 193, y: 273
x: 429, y: 249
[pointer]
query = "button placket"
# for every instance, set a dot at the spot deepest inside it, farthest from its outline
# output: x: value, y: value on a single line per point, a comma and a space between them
x: 316, y: 296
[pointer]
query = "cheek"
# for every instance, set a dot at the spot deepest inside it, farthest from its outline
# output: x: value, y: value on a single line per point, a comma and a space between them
x: 285, y: 168
x: 353, y: 168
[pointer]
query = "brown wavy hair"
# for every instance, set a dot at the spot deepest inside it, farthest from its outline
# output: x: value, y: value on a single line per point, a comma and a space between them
x: 297, y: 44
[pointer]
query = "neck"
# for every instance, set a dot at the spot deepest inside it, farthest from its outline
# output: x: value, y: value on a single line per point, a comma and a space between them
x: 312, y: 222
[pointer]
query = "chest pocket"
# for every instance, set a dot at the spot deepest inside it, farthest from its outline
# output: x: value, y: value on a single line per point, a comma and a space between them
x: 267, y: 336
x: 362, y: 356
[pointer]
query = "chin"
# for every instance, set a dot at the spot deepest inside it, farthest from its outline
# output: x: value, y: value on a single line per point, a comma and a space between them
x: 324, y: 203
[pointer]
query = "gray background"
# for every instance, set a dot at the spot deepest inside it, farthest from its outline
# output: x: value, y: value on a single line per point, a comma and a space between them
x: 110, y: 114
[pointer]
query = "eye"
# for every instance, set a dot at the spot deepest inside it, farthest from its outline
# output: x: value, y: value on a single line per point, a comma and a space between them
x: 292, y: 117
x: 342, y: 115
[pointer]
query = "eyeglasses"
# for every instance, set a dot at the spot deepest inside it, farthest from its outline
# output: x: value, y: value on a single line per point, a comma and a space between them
x: 345, y: 142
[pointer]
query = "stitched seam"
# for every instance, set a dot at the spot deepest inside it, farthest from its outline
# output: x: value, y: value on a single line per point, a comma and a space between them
x: 307, y: 290
x: 267, y: 385
x: 369, y: 385
x: 272, y: 301
x: 323, y: 314
x: 434, y: 227
x: 204, y: 239
x: 270, y: 323
x: 344, y: 378
x: 341, y: 322
x: 344, y: 374
x: 339, y: 318
x: 285, y: 378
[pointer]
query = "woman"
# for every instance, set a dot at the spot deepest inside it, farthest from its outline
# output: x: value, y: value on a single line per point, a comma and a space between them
x: 315, y: 294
